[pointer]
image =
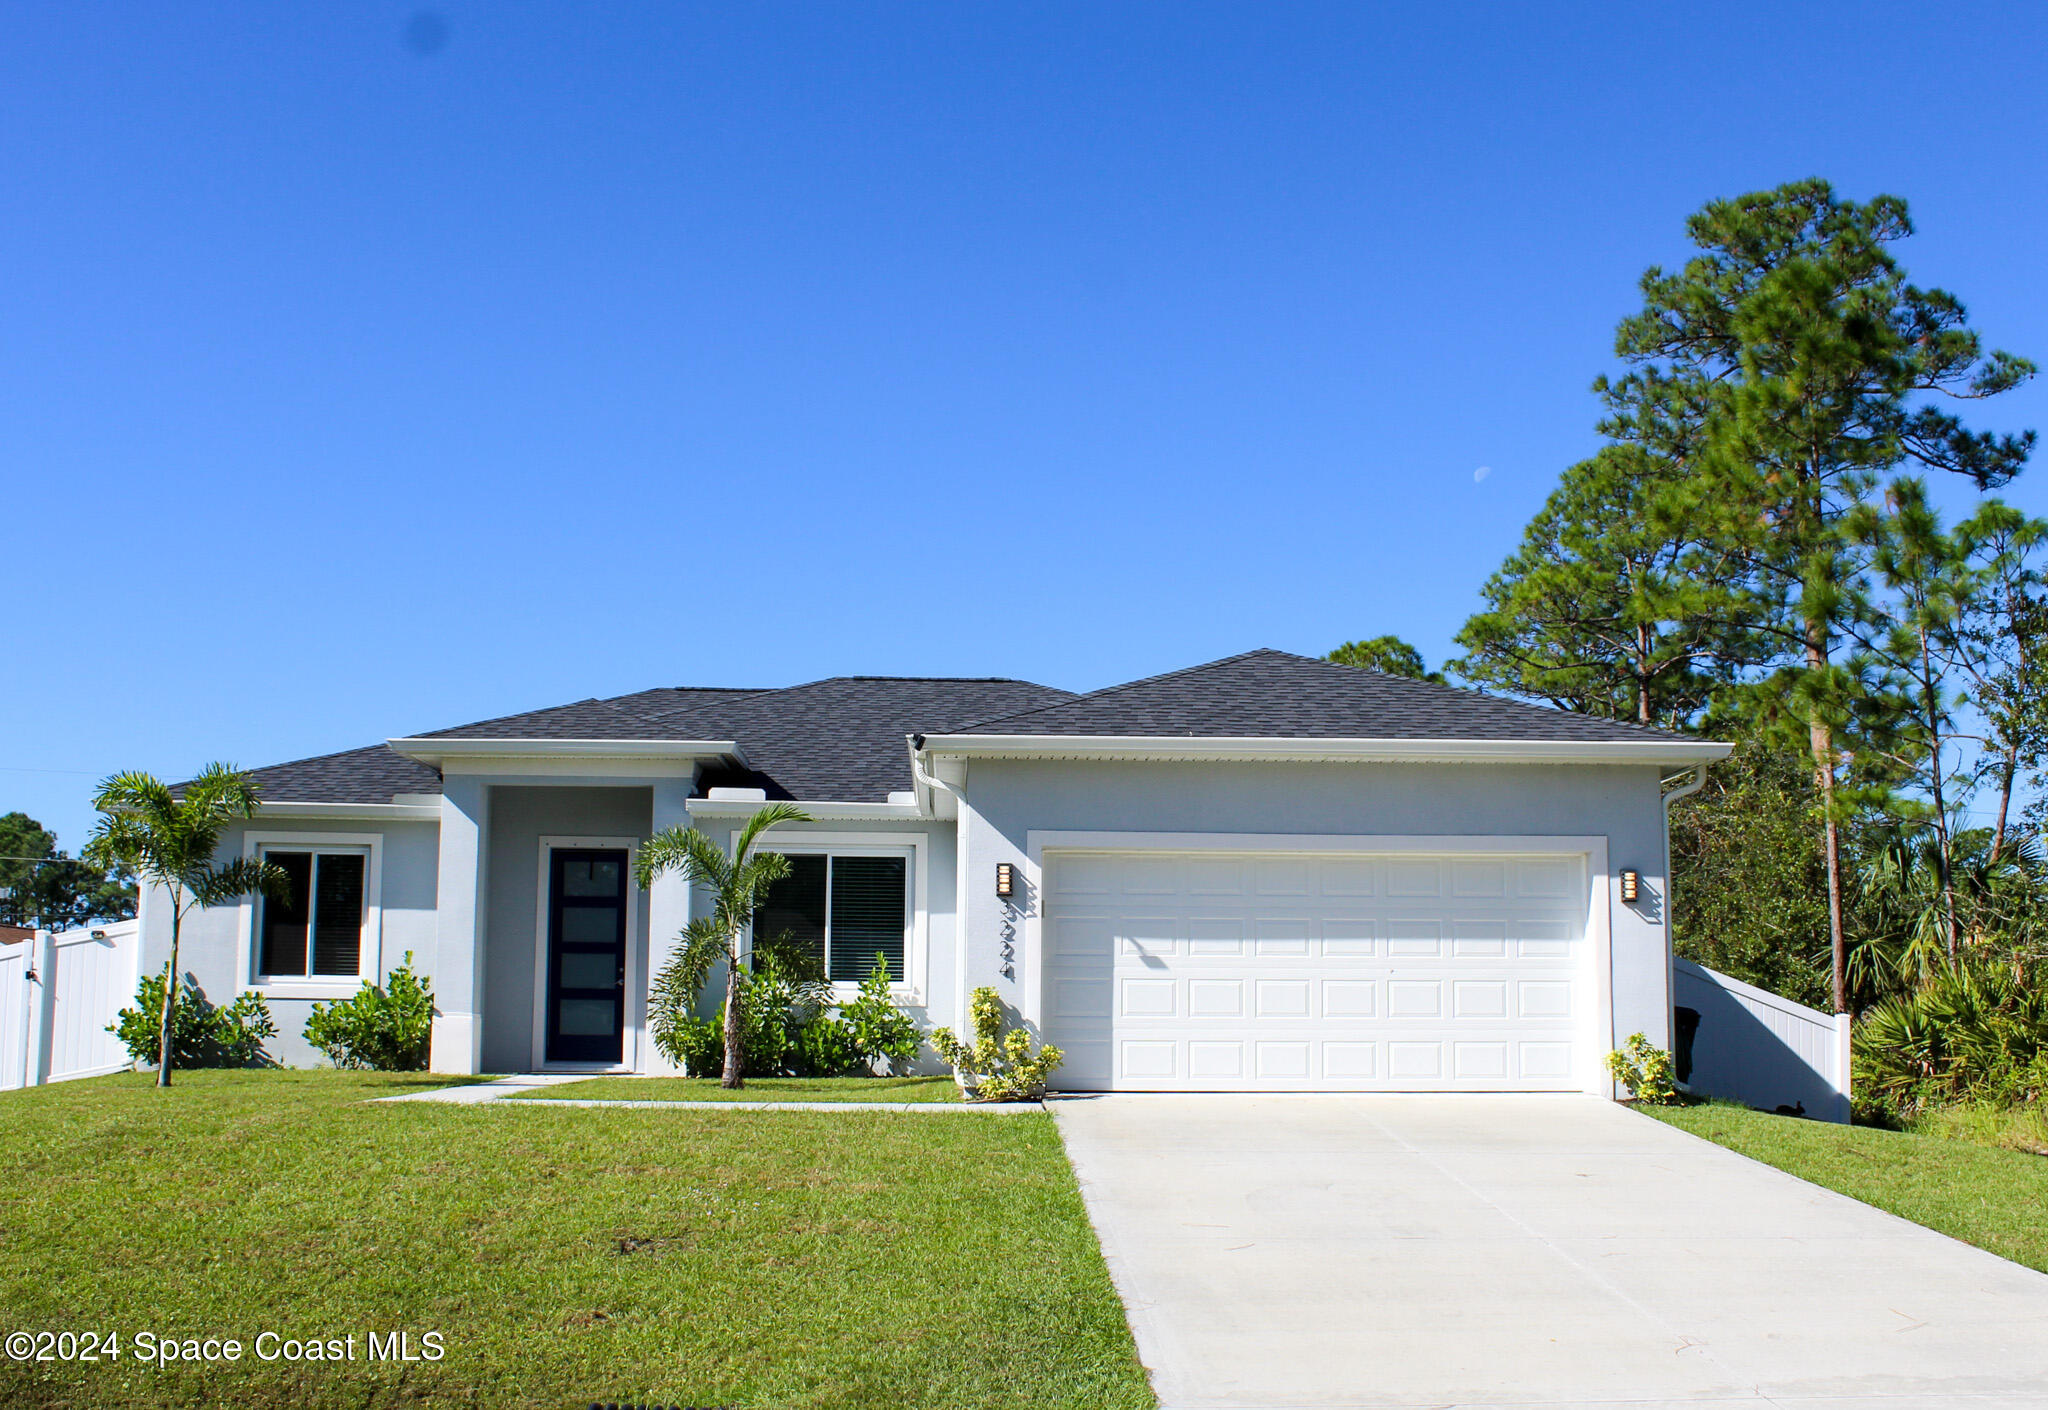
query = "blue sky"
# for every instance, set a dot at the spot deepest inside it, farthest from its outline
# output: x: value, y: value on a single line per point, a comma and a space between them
x: 365, y: 370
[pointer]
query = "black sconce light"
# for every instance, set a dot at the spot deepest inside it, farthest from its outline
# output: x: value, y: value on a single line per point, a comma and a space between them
x: 1006, y: 880
x: 1631, y: 884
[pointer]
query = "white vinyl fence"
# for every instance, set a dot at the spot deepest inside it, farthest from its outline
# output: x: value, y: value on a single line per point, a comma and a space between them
x: 1753, y: 1047
x: 58, y: 993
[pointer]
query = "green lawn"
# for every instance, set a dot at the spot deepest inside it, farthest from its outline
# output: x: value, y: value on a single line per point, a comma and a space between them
x: 757, y: 1089
x: 564, y: 1255
x: 1995, y: 1199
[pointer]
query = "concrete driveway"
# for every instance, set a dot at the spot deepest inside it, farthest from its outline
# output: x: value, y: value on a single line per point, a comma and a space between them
x: 1521, y: 1251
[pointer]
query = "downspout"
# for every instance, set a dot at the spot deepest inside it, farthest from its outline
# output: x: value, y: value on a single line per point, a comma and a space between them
x: 1684, y: 790
x: 931, y: 780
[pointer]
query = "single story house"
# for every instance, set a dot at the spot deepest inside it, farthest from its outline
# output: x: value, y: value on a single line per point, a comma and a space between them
x: 1264, y: 873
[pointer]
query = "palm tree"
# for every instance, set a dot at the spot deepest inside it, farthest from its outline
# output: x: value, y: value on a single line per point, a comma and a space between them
x: 169, y: 841
x: 738, y: 884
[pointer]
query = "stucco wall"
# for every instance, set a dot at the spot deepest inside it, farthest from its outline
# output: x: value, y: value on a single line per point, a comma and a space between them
x: 520, y: 817
x: 211, y: 948
x: 1011, y: 798
x: 941, y: 979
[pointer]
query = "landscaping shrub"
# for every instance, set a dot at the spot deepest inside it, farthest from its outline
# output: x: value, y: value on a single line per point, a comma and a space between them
x: 998, y: 1066
x: 1971, y: 1033
x: 386, y: 1029
x: 202, y: 1035
x: 1645, y: 1070
x: 788, y: 1027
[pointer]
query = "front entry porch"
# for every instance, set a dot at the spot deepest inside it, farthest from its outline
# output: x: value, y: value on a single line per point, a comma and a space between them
x: 544, y: 939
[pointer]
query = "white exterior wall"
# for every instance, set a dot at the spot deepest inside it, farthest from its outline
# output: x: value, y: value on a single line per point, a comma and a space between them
x: 216, y: 948
x: 486, y: 882
x: 1010, y: 799
x: 935, y: 1004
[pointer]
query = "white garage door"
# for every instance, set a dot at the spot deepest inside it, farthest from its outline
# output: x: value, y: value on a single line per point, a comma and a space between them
x: 1316, y: 972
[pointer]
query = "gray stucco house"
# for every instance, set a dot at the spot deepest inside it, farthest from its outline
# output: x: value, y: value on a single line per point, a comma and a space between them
x: 1264, y: 873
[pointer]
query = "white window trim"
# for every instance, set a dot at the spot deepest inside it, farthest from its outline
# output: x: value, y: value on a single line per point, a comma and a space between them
x: 370, y: 955
x: 1590, y: 851
x: 908, y: 987
x: 636, y: 998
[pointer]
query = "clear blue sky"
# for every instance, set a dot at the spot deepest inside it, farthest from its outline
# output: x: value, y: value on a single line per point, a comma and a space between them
x: 364, y: 372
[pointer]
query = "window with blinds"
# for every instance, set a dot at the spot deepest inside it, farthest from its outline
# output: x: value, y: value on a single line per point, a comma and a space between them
x: 845, y: 909
x: 316, y: 928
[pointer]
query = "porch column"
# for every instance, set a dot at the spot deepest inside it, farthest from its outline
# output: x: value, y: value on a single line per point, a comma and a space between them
x: 668, y: 910
x: 459, y: 903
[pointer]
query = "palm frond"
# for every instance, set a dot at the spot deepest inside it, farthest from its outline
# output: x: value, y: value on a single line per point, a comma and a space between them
x: 773, y: 815
x: 245, y: 876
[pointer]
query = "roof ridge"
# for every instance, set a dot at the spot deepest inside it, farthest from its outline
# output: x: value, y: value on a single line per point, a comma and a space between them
x: 691, y: 709
x: 1405, y: 682
x: 316, y: 758
x: 1126, y: 685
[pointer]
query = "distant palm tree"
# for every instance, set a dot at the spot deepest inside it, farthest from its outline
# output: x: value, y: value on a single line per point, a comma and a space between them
x: 170, y: 841
x: 1993, y: 901
x: 738, y: 885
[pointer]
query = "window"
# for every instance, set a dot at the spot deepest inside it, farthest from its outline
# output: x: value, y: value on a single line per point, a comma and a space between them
x: 315, y: 931
x: 845, y: 909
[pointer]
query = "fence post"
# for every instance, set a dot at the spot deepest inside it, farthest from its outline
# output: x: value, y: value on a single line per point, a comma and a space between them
x: 41, y: 984
x: 1843, y: 1057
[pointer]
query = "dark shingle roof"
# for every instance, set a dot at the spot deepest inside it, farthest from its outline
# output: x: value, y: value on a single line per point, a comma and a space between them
x: 369, y: 775
x: 843, y: 738
x: 838, y: 739
x: 1275, y: 695
x: 642, y: 715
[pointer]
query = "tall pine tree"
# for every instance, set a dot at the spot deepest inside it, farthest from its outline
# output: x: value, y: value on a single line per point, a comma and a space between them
x: 1814, y: 360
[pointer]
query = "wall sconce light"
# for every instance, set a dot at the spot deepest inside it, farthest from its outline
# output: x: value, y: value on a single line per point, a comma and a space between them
x: 1631, y: 884
x: 1006, y: 880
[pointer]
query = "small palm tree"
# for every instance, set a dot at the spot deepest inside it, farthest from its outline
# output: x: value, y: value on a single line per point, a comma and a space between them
x: 738, y: 885
x: 170, y: 841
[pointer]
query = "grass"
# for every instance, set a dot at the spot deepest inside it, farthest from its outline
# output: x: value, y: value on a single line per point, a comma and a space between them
x: 1990, y: 1197
x: 565, y: 1255
x: 757, y: 1089
x: 2010, y: 1128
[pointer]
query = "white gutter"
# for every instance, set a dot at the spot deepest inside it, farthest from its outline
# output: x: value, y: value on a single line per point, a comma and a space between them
x: 1684, y: 790
x: 362, y: 812
x: 1268, y: 749
x: 434, y: 751
x: 820, y: 812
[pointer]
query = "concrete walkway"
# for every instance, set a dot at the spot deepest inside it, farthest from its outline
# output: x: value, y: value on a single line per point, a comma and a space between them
x: 1292, y: 1252
x: 500, y: 1088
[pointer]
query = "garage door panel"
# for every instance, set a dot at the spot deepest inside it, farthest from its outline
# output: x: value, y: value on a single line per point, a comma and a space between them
x: 1283, y: 937
x: 1313, y: 973
x: 1350, y: 998
x: 1082, y: 937
x: 1148, y: 998
x: 1488, y: 878
x: 1216, y: 998
x: 1348, y: 877
x: 1209, y: 935
x: 1410, y: 878
x: 1415, y: 937
x: 1479, y: 939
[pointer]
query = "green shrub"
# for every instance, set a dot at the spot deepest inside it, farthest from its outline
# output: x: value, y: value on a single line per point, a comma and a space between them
x: 1644, y: 1070
x: 788, y: 1027
x: 1967, y: 1034
x: 998, y: 1066
x: 876, y: 1029
x: 202, y: 1035
x: 388, y: 1029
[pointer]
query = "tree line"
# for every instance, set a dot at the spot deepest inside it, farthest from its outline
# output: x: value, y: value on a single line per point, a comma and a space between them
x: 1755, y: 552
